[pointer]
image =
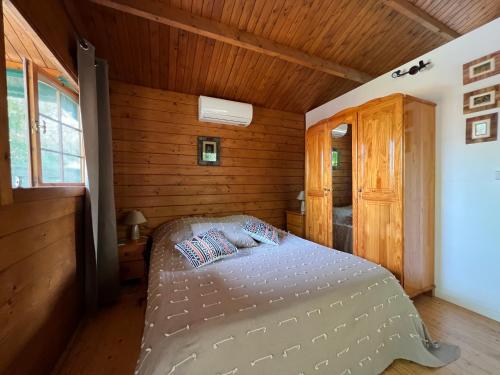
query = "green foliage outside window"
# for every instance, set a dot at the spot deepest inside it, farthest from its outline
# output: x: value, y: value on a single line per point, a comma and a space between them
x: 18, y: 129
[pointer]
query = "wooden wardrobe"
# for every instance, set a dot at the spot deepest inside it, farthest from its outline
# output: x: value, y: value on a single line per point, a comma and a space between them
x: 393, y: 151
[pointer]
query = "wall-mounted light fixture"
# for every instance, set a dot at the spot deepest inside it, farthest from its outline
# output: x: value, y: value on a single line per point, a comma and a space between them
x: 412, y: 71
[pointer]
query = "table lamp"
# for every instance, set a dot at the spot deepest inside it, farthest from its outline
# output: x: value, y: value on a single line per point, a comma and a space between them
x: 301, y: 197
x: 134, y: 218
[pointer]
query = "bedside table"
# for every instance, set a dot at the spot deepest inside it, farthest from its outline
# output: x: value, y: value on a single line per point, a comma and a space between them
x: 295, y: 223
x: 131, y: 257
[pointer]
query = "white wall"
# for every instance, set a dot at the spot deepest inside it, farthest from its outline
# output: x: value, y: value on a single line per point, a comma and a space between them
x: 467, y: 194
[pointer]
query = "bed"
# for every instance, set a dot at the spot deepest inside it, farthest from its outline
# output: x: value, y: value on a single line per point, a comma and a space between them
x: 342, y: 228
x: 296, y: 308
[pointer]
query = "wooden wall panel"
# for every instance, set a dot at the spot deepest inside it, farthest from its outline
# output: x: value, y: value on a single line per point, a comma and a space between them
x: 155, y: 159
x: 40, y: 284
x: 342, y: 176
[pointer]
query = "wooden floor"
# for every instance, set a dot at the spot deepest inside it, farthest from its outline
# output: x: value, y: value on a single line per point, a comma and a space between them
x: 109, y: 343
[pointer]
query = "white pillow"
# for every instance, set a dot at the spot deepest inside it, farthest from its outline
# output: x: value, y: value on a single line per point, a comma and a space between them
x: 232, y: 231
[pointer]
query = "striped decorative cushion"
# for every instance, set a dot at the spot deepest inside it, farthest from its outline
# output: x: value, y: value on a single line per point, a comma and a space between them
x: 262, y: 232
x: 232, y: 231
x: 206, y: 248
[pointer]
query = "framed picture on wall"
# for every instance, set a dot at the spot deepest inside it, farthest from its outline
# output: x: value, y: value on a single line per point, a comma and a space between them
x: 481, y: 68
x: 481, y: 128
x: 208, y: 151
x: 480, y: 100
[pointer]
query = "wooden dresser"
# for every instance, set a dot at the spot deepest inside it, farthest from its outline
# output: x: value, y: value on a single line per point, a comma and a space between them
x: 295, y: 223
x: 131, y: 256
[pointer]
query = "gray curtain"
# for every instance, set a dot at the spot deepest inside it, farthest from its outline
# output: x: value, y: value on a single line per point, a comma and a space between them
x: 101, y: 263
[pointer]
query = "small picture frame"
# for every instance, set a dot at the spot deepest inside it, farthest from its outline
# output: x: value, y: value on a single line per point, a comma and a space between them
x: 481, y: 68
x: 481, y: 129
x: 483, y: 99
x: 208, y: 151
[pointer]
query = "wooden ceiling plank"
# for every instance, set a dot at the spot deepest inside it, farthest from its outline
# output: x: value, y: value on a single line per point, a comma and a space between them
x: 343, y: 45
x: 353, y: 43
x: 219, y: 50
x: 199, y: 50
x: 231, y: 35
x: 332, y: 19
x: 228, y: 70
x: 15, y: 40
x: 268, y: 20
x: 254, y: 16
x: 268, y: 76
x: 33, y: 51
x: 203, y: 8
x: 248, y: 92
x: 164, y: 40
x: 319, y: 17
x: 237, y: 62
x: 309, y: 84
x: 423, y: 18
x: 278, y: 81
x: 247, y: 76
x: 250, y: 59
x: 279, y: 98
x: 154, y: 34
x: 126, y: 49
x: 388, y: 46
x: 145, y: 51
x: 211, y: 67
x: 193, y: 6
x: 181, y: 59
x: 274, y: 27
x: 207, y: 56
x: 462, y: 19
x: 10, y: 52
x: 172, y: 57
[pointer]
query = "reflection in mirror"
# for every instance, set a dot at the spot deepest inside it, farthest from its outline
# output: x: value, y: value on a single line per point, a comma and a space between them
x: 335, y: 158
x: 340, y: 131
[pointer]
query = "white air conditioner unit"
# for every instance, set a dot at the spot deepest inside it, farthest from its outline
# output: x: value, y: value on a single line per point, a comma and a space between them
x: 224, y: 111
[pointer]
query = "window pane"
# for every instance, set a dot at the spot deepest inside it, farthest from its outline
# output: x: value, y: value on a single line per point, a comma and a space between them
x: 72, y: 169
x: 18, y: 129
x: 71, y: 141
x: 51, y: 167
x: 47, y: 100
x: 69, y: 111
x: 49, y: 134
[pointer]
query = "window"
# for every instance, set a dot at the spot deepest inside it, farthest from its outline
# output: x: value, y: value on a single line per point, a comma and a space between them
x: 60, y: 136
x: 50, y: 152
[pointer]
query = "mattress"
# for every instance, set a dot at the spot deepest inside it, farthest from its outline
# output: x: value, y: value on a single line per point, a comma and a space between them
x: 296, y: 308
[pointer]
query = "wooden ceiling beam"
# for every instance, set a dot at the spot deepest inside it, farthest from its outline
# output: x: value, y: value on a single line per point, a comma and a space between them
x: 193, y: 23
x: 409, y: 10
